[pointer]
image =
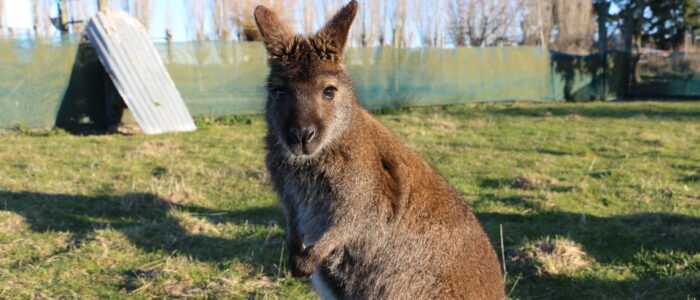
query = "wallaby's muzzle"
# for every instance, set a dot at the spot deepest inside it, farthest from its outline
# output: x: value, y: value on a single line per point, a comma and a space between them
x: 304, y: 138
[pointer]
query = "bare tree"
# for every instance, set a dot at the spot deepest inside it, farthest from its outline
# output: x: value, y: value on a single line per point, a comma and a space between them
x: 2, y: 21
x: 36, y: 16
x: 430, y: 20
x: 368, y: 29
x: 46, y: 9
x: 459, y: 14
x: 41, y: 15
x: 142, y: 12
x: 480, y: 23
x: 126, y: 5
x: 196, y: 18
x: 77, y: 16
x: 576, y: 26
x: 222, y: 19
x: 309, y: 16
x: 401, y: 36
x: 537, y: 22
x: 330, y: 7
x: 245, y: 23
x: 370, y: 24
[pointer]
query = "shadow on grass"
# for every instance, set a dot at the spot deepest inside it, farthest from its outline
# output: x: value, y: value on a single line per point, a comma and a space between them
x: 616, y: 111
x: 608, y: 239
x: 147, y: 221
x: 624, y: 242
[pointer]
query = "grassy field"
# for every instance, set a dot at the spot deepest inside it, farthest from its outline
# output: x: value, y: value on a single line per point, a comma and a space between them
x: 595, y: 201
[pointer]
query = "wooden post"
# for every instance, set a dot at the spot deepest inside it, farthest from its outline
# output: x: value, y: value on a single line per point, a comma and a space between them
x: 169, y: 39
x: 77, y: 25
x: 2, y: 9
x: 63, y: 15
x: 35, y: 17
x: 102, y: 5
x: 603, y: 8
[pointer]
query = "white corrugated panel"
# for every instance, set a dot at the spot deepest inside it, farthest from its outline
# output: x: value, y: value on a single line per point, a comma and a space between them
x: 138, y: 73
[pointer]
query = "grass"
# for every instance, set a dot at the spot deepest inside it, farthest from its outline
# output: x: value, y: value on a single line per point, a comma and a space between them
x: 598, y: 201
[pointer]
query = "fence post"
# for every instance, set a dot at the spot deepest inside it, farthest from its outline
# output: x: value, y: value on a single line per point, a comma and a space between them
x: 603, y: 7
x: 63, y: 15
x: 102, y: 5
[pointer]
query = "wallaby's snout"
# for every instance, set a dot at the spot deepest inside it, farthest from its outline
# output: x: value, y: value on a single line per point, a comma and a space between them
x: 299, y: 119
x: 304, y: 137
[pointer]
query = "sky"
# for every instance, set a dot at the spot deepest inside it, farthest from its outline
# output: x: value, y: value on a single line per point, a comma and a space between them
x: 18, y: 14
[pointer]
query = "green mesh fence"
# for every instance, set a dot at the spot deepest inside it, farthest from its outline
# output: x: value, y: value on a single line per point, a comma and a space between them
x: 582, y: 78
x: 60, y: 82
x: 673, y: 75
x: 34, y: 75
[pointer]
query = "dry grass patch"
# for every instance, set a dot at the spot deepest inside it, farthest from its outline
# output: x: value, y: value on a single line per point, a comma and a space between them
x: 531, y: 182
x: 10, y: 221
x: 554, y: 256
x: 193, y: 225
x: 157, y: 148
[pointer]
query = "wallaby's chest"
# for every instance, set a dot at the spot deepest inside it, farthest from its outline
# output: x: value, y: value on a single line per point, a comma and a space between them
x: 311, y: 200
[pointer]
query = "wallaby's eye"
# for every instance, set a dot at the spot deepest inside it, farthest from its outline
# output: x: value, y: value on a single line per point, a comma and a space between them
x: 329, y: 92
x: 279, y: 94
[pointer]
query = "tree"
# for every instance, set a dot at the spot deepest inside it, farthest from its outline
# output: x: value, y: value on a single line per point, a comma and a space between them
x: 480, y: 23
x: 142, y: 12
x: 245, y: 22
x: 670, y: 22
x: 370, y: 24
x: 196, y: 18
x: 222, y: 19
x: 77, y: 15
x: 537, y: 23
x: 430, y: 20
x: 2, y: 21
x: 401, y: 36
x: 665, y: 24
x: 576, y: 26
x: 309, y: 16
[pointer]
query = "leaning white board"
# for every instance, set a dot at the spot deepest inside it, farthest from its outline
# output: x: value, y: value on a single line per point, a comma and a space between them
x: 138, y: 73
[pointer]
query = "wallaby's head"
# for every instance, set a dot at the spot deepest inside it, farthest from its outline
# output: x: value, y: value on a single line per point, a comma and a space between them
x: 310, y: 95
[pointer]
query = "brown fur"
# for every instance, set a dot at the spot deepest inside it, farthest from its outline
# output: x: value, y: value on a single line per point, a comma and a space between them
x: 365, y: 214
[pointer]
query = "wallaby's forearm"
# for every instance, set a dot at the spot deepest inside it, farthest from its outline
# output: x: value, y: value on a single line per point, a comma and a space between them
x: 308, y: 260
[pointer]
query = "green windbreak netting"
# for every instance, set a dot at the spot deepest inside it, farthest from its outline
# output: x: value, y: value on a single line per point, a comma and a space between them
x: 218, y: 78
x: 662, y: 75
x: 397, y: 77
x: 43, y: 84
x: 226, y: 78
x: 34, y: 75
x: 582, y: 78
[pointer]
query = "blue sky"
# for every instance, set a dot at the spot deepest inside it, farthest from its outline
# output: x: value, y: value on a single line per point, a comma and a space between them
x: 19, y: 14
x: 160, y: 11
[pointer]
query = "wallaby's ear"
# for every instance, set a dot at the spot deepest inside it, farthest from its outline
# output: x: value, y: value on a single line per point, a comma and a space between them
x: 274, y: 32
x: 337, y: 29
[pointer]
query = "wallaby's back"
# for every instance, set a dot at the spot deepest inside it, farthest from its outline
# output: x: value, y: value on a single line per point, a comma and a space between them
x: 422, y: 241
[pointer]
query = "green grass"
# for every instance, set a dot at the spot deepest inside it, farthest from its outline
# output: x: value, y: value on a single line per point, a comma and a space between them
x: 182, y: 215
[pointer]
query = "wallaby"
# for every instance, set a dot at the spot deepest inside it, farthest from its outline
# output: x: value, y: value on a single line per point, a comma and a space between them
x: 366, y: 217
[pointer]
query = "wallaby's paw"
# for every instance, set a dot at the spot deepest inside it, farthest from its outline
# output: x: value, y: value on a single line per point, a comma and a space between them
x: 303, y: 264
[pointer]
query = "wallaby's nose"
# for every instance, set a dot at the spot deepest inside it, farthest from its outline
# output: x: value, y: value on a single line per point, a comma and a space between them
x: 304, y: 136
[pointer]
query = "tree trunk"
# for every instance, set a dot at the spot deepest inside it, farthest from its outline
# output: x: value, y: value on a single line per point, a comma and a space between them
x: 102, y: 5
